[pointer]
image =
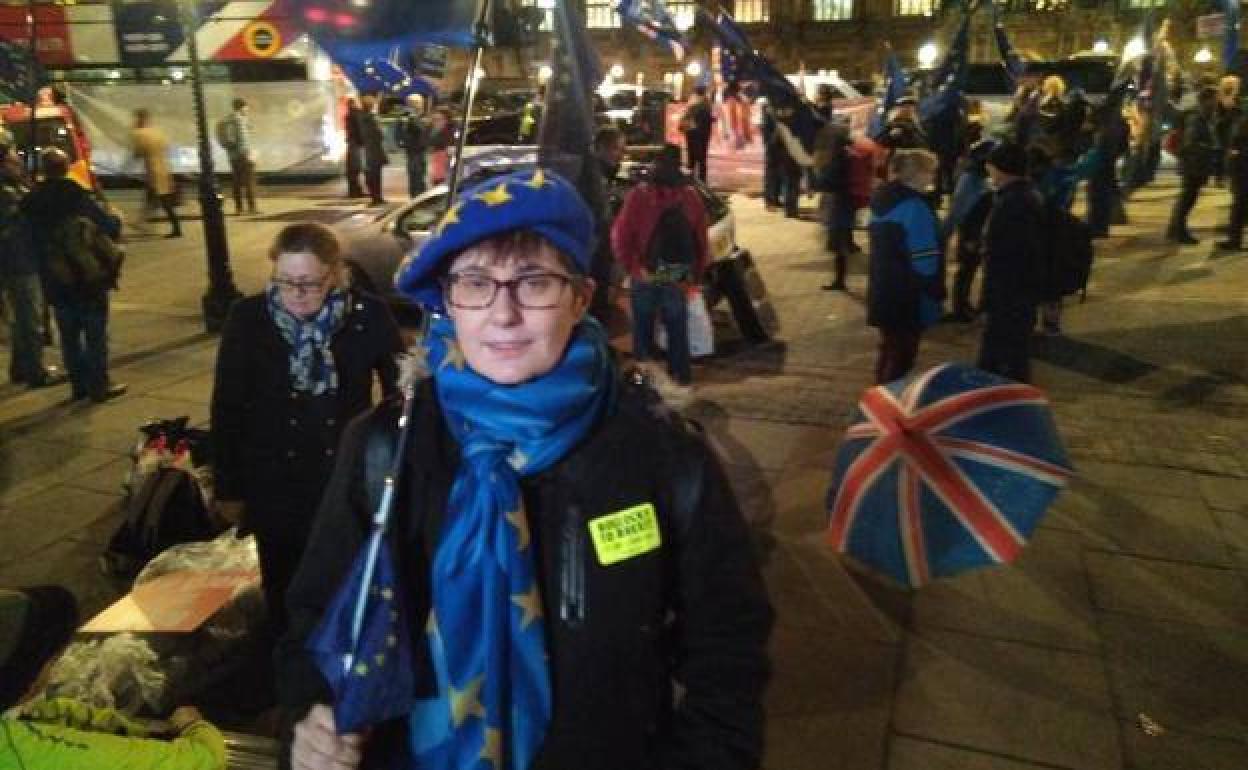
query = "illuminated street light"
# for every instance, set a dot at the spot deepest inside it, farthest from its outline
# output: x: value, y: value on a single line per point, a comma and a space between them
x: 1134, y: 49
x: 928, y: 52
x: 694, y: 69
x: 1203, y: 56
x: 617, y: 71
x: 1101, y: 46
x: 544, y: 73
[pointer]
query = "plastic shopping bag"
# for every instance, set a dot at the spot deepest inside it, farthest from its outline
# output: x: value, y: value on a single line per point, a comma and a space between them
x: 701, y: 332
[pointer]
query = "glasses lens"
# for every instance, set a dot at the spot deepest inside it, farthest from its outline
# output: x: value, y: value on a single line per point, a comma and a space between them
x: 473, y: 291
x: 540, y: 291
x: 300, y: 287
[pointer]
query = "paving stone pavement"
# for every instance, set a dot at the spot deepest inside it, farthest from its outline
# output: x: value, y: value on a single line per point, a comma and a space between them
x: 1131, y: 601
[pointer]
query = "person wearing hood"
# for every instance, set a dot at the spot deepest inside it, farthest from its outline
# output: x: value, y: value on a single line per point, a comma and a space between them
x: 81, y: 308
x: 968, y: 210
x: 660, y: 241
x: 1014, y: 267
x: 38, y: 733
x: 904, y: 270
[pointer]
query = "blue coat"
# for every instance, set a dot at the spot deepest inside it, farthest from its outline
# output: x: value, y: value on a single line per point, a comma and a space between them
x: 904, y: 275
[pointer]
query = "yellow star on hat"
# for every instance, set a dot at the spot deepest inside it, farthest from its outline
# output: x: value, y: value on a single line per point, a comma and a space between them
x: 496, y: 197
x: 449, y: 218
x: 538, y: 181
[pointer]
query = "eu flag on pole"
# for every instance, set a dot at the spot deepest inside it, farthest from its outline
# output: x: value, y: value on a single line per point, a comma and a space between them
x: 566, y: 134
x: 1009, y: 57
x: 652, y: 19
x: 371, y: 676
x: 949, y: 78
x: 1230, y: 36
x: 351, y: 31
x: 893, y: 91
x: 751, y: 65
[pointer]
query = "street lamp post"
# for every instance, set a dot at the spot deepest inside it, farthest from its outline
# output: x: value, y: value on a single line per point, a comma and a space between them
x: 221, y: 292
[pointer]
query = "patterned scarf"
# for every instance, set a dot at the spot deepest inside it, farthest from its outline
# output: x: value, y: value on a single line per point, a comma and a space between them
x: 485, y: 630
x: 312, y: 367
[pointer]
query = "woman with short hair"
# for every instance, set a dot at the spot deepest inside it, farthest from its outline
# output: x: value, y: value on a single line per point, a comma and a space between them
x: 296, y: 363
x: 905, y: 269
x: 565, y: 547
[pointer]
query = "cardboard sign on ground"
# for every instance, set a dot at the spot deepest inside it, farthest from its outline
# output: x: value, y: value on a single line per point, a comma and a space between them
x: 178, y: 602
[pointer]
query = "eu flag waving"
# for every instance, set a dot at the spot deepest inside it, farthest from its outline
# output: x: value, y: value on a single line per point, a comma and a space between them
x: 371, y: 677
x: 652, y: 19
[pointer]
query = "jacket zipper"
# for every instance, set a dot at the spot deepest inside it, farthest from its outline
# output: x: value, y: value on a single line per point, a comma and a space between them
x: 572, y: 570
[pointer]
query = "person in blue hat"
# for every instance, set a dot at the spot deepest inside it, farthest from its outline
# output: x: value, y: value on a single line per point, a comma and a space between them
x: 567, y: 549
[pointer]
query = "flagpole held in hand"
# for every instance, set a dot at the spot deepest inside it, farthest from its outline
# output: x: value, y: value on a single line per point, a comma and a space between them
x: 482, y: 34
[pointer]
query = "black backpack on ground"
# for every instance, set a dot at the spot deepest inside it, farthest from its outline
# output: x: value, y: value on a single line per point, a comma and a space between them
x: 165, y: 503
x: 673, y: 247
x: 1069, y: 254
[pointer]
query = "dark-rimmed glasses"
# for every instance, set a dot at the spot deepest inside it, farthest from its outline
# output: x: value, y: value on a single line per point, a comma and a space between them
x: 301, y: 288
x: 534, y: 291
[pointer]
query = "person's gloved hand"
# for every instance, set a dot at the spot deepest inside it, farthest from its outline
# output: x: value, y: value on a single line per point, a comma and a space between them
x: 183, y: 717
x: 318, y: 746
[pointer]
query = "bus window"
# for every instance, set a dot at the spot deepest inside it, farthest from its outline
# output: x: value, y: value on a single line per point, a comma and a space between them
x: 49, y: 132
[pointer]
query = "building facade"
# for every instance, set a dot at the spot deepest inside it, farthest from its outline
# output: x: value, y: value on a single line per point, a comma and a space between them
x: 853, y: 36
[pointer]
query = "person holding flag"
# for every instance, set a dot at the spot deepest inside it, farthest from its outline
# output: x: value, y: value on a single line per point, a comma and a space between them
x: 536, y: 599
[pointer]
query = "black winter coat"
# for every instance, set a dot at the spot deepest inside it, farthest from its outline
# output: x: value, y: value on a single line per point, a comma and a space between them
x: 50, y: 203
x: 693, y: 611
x: 274, y: 447
x: 1199, y: 152
x: 1014, y: 266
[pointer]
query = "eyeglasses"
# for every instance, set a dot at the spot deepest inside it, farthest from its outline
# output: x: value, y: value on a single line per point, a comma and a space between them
x: 301, y: 288
x: 535, y: 291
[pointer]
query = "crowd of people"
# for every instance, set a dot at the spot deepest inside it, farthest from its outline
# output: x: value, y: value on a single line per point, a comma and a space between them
x: 554, y: 596
x: 999, y: 199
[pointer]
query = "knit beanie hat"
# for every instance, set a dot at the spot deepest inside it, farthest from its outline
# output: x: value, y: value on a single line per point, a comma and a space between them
x: 35, y: 624
x: 536, y: 200
x: 1010, y: 158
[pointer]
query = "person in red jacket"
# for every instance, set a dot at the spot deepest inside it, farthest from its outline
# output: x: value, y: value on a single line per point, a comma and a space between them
x: 659, y: 237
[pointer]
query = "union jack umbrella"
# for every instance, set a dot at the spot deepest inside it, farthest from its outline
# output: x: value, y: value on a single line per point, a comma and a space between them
x: 944, y: 472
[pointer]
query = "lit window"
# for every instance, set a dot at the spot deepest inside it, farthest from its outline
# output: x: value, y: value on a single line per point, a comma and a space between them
x: 683, y: 12
x: 548, y: 23
x: 1046, y: 6
x: 832, y: 10
x: 752, y: 11
x: 600, y: 14
x: 915, y: 7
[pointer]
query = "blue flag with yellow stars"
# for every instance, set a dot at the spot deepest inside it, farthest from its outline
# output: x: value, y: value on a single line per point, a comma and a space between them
x: 371, y: 676
x: 652, y: 19
x: 486, y: 633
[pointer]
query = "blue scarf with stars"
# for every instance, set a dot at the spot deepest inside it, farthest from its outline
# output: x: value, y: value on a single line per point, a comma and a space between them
x: 486, y: 629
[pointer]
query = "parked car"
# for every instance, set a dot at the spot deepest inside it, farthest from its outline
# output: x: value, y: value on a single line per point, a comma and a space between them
x: 376, y: 243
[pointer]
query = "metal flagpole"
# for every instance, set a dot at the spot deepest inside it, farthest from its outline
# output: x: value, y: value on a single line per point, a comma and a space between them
x: 32, y: 74
x: 482, y: 34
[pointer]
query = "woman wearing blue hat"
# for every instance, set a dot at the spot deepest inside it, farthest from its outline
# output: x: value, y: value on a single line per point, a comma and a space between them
x: 567, y: 548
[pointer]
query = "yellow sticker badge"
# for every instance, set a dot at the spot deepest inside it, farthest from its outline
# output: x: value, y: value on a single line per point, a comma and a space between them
x: 625, y: 534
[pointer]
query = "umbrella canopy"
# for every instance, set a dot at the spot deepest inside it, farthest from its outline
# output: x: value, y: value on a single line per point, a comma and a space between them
x: 944, y: 472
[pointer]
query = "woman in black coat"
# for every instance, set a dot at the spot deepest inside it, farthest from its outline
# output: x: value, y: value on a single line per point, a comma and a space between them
x: 296, y: 363
x: 564, y: 549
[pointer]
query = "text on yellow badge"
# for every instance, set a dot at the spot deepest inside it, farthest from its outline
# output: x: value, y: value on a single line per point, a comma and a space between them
x: 625, y: 534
